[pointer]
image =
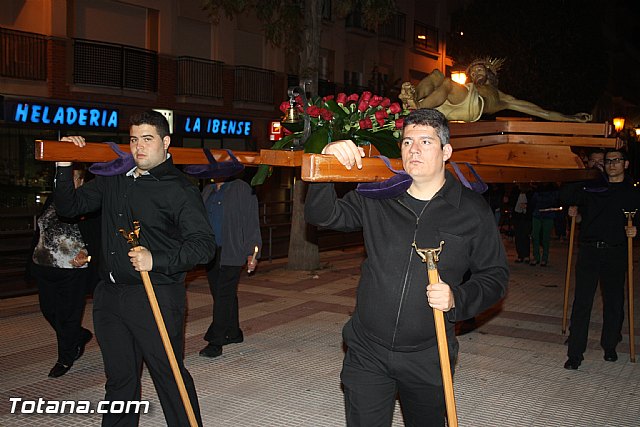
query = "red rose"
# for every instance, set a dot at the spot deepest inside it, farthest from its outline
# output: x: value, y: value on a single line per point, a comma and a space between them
x: 313, y: 111
x: 366, y: 123
x: 341, y: 98
x: 326, y: 114
x: 366, y: 95
x: 363, y: 105
x: 385, y: 102
x: 381, y: 115
x: 375, y: 100
x: 353, y: 97
x: 394, y: 108
x: 399, y: 123
x: 284, y: 106
x: 327, y: 98
x: 299, y: 100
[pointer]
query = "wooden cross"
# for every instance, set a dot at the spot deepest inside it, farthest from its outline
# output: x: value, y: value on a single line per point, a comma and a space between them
x: 500, y: 151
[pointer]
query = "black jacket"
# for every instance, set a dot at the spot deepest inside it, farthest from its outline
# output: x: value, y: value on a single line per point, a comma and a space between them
x: 602, y: 212
x: 173, y: 223
x: 392, y: 307
x: 240, y: 222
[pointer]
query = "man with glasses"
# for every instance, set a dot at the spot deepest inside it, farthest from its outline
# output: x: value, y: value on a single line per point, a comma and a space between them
x: 602, y: 256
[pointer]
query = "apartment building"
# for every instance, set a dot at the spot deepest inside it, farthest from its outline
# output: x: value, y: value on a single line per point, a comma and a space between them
x: 84, y: 66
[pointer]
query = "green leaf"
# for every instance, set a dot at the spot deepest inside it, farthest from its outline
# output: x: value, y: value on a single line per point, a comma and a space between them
x: 337, y: 110
x: 264, y: 171
x: 286, y: 141
x: 317, y: 141
x: 383, y: 140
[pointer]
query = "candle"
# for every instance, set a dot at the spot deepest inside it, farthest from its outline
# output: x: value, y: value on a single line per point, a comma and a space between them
x: 253, y: 258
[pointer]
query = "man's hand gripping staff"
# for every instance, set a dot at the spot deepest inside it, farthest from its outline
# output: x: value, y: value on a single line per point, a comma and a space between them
x: 430, y: 257
x: 139, y: 265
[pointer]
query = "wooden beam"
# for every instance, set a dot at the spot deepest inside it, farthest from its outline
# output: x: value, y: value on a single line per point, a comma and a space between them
x: 323, y: 168
x: 99, y: 152
x: 521, y: 155
x: 602, y: 130
x: 281, y: 158
x: 565, y: 140
x: 499, y: 174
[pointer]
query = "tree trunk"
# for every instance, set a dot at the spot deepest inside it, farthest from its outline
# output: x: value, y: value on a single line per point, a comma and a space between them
x: 303, y: 245
x: 303, y: 242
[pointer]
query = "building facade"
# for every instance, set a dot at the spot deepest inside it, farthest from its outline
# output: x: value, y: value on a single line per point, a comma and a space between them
x: 83, y: 67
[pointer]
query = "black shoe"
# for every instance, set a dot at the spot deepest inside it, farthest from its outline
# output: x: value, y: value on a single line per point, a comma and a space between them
x: 519, y: 260
x: 211, y: 350
x: 533, y: 263
x: 234, y: 340
x: 610, y: 355
x: 572, y: 363
x: 543, y: 264
x: 87, y: 335
x: 59, y: 370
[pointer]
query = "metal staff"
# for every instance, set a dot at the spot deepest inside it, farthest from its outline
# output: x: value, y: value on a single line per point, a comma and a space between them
x: 632, y: 343
x: 430, y: 257
x: 132, y: 239
x: 567, y: 276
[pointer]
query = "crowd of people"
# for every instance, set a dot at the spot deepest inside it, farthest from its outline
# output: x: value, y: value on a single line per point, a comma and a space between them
x: 390, y: 339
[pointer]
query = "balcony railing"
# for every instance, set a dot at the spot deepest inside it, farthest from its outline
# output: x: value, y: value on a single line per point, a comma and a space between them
x: 23, y: 55
x: 253, y: 85
x: 394, y: 28
x: 199, y: 77
x: 115, y: 66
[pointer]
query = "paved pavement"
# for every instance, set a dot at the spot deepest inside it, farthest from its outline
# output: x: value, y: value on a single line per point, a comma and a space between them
x: 286, y: 373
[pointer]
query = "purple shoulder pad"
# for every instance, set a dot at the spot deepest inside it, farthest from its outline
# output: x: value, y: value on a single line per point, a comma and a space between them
x: 123, y: 164
x: 215, y: 169
x: 389, y: 188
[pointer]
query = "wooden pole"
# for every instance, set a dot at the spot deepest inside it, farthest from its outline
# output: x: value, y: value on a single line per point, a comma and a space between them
x: 567, y: 276
x: 632, y: 343
x: 430, y: 257
x: 132, y: 238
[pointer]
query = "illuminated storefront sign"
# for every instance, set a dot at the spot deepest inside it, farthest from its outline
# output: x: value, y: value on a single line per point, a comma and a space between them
x: 64, y: 115
x: 214, y: 126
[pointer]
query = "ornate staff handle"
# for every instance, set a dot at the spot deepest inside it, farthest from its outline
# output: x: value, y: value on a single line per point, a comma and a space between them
x: 430, y: 256
x: 132, y: 238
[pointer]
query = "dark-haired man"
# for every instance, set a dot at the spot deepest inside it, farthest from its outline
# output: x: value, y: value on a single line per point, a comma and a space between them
x: 391, y: 338
x: 175, y: 236
x: 602, y: 256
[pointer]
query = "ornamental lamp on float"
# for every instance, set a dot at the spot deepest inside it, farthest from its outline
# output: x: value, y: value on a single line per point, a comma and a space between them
x: 618, y: 125
x: 292, y: 114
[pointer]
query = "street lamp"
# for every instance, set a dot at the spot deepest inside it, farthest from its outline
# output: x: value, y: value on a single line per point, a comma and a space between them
x: 459, y: 77
x: 618, y: 124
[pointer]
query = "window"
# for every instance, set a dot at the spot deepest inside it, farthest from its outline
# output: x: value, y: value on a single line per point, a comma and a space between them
x: 394, y: 28
x: 425, y: 37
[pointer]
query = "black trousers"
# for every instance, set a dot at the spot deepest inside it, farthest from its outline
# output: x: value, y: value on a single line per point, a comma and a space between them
x: 223, y: 284
x: 607, y: 266
x: 372, y: 376
x: 522, y: 232
x: 61, y: 292
x: 127, y: 334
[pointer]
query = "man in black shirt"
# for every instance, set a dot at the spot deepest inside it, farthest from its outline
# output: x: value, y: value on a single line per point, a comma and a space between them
x: 175, y: 235
x: 602, y: 256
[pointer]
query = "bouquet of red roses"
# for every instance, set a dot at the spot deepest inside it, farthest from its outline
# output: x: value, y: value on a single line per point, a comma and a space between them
x: 365, y: 119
